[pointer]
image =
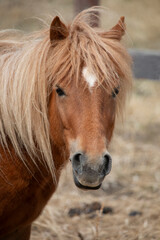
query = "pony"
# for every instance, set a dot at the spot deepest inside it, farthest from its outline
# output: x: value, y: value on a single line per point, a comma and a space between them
x: 61, y: 89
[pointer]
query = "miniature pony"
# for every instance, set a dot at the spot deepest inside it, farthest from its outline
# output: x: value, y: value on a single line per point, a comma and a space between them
x: 60, y: 92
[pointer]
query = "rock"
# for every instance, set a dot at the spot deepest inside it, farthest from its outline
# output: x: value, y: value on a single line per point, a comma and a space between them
x: 74, y: 212
x: 89, y: 209
x: 107, y: 210
x: 135, y: 213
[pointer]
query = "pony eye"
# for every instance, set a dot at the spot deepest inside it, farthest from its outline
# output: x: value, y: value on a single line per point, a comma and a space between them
x: 60, y: 92
x: 115, y: 92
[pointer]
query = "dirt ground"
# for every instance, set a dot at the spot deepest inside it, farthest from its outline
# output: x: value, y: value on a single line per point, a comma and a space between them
x: 127, y: 207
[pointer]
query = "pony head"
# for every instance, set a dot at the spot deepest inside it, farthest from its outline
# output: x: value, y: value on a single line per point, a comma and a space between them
x: 91, y: 77
x: 60, y: 91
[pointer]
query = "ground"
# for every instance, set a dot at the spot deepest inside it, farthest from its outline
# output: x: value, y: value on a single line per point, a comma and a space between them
x: 131, y: 191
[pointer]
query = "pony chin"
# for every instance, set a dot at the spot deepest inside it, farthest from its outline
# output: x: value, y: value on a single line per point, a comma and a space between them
x: 79, y: 185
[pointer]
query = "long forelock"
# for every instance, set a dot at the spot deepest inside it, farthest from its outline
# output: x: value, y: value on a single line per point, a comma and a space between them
x: 105, y: 58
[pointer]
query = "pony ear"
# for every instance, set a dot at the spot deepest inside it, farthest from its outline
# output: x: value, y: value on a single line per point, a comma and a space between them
x: 58, y: 30
x: 117, y: 31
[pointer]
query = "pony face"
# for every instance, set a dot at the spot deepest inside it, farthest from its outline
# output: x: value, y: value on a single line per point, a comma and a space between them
x: 87, y: 114
x: 90, y: 88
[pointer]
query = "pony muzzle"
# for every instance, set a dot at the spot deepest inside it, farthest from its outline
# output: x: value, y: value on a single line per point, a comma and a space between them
x: 88, y: 175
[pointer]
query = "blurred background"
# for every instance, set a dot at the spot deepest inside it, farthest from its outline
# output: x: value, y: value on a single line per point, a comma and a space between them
x: 127, y: 207
x: 142, y: 17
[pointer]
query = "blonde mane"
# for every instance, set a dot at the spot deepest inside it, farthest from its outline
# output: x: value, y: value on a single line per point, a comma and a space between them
x: 31, y: 66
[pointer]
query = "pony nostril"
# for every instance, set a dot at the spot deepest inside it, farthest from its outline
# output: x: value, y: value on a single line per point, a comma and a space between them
x: 107, y: 164
x: 76, y: 160
x: 77, y: 157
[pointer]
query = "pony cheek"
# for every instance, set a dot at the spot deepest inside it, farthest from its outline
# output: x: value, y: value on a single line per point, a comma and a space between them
x: 109, y: 125
x: 65, y: 123
x: 66, y: 114
x: 110, y: 133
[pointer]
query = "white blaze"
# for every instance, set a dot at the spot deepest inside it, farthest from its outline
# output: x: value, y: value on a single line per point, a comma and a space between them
x: 89, y: 77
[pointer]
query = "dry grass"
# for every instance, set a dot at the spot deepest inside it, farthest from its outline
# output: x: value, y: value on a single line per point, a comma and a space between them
x: 133, y: 185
